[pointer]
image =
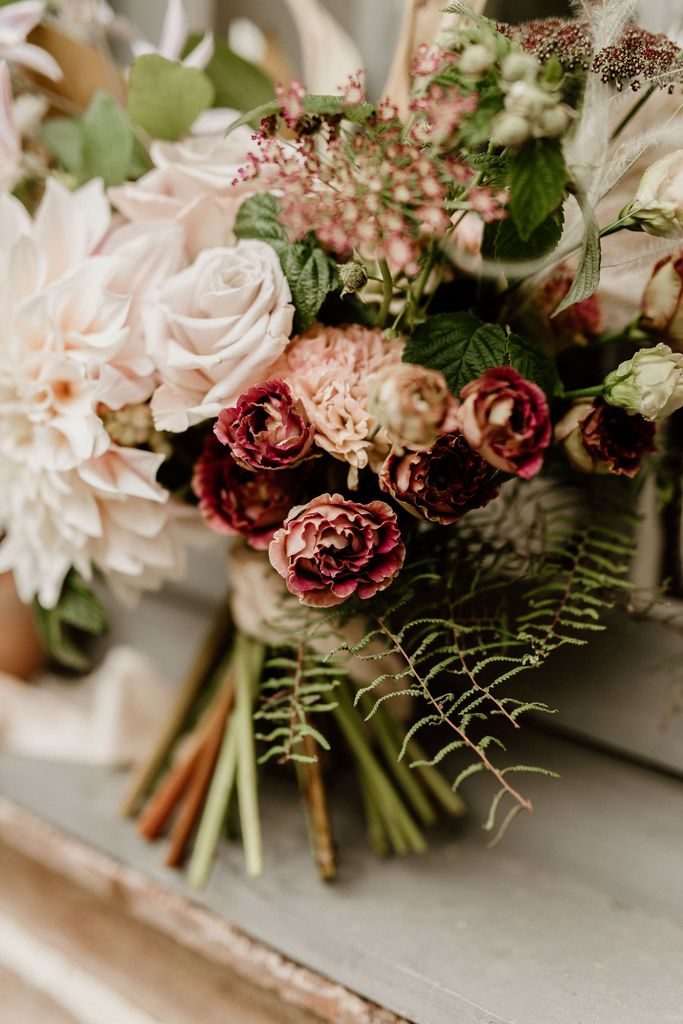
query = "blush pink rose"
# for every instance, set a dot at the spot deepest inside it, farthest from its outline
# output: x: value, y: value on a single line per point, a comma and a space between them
x: 331, y: 549
x: 506, y: 419
x: 239, y: 502
x: 267, y: 429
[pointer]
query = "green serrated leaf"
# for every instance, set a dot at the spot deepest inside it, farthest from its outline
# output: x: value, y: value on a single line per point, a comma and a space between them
x: 108, y: 140
x: 538, y: 178
x: 257, y: 217
x: 166, y: 98
x: 238, y: 83
x: 333, y: 106
x: 310, y: 272
x: 508, y: 245
x: 255, y: 115
x: 587, y: 279
x: 462, y: 348
x: 311, y: 276
x: 63, y: 136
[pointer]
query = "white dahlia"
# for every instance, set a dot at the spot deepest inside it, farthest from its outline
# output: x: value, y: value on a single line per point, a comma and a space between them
x: 68, y: 355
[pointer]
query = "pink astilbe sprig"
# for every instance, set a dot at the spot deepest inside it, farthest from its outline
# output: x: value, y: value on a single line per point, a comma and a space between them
x: 376, y: 190
x: 443, y: 111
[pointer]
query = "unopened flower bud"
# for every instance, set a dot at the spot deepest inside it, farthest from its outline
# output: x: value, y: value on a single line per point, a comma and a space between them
x: 353, y: 275
x: 650, y: 383
x: 527, y: 100
x: 510, y: 130
x: 476, y: 59
x: 662, y: 302
x: 658, y: 203
x: 519, y: 67
x: 552, y: 123
x: 413, y: 404
x: 130, y: 426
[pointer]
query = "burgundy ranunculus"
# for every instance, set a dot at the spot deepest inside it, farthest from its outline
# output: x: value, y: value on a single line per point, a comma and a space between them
x: 238, y: 501
x: 267, y: 429
x: 442, y: 482
x: 333, y: 548
x: 506, y: 419
x: 602, y: 438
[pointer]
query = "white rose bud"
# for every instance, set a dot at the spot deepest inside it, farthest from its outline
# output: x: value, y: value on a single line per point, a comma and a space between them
x: 519, y: 67
x: 510, y: 130
x: 476, y: 59
x: 552, y: 123
x: 662, y: 302
x: 527, y: 100
x: 413, y: 404
x: 658, y: 203
x: 650, y: 383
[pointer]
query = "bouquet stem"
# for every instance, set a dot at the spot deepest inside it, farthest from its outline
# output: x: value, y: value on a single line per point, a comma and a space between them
x: 398, y: 824
x: 149, y: 768
x: 215, y: 808
x: 248, y: 655
x: 312, y: 786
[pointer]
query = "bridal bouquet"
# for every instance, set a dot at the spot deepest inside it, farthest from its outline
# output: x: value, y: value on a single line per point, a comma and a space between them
x: 371, y: 343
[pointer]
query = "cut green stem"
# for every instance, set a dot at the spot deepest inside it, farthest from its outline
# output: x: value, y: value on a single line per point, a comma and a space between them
x: 388, y: 293
x: 248, y: 655
x: 215, y: 809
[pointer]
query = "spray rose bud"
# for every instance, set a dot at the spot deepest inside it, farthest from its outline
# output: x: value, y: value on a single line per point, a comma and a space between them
x: 413, y: 404
x: 662, y: 302
x: 599, y: 438
x: 353, y: 275
x: 476, y: 59
x: 658, y: 203
x: 650, y: 383
x: 505, y: 418
x: 510, y: 130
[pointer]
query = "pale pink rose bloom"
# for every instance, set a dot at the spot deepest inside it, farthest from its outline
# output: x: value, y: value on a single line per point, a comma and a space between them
x: 331, y: 369
x: 215, y: 329
x: 16, y: 22
x: 195, y: 182
x: 147, y: 253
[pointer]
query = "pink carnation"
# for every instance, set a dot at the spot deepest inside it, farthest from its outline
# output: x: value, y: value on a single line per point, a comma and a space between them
x: 506, y: 419
x: 332, y: 548
x: 267, y: 429
x: 239, y: 502
x: 329, y: 369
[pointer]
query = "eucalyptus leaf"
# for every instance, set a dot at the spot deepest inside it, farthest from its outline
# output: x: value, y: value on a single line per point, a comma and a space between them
x: 108, y: 141
x: 63, y: 136
x: 166, y: 98
x: 237, y: 82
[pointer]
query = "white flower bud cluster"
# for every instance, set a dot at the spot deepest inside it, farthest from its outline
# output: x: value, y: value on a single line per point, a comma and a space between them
x: 533, y: 110
x: 133, y: 426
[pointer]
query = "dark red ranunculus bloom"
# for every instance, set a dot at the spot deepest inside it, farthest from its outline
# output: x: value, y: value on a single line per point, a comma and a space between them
x: 441, y: 483
x: 617, y: 440
x: 267, y: 429
x: 506, y: 419
x: 333, y: 548
x: 242, y: 502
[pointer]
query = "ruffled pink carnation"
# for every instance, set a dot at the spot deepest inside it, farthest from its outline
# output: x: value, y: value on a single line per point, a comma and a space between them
x: 267, y: 429
x: 332, y: 548
x: 240, y: 502
x: 506, y: 419
x: 441, y: 483
x: 329, y: 369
